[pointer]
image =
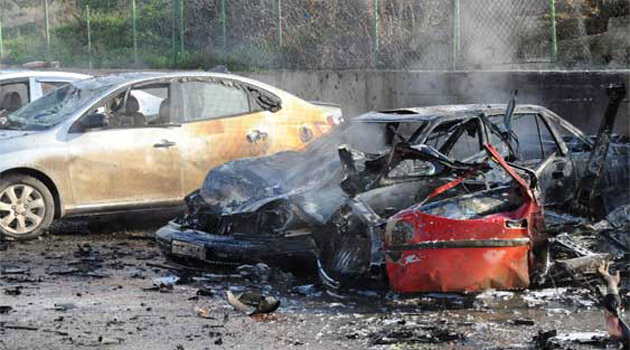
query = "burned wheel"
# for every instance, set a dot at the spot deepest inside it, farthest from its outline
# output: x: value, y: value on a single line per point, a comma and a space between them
x: 26, y: 207
x: 344, y: 260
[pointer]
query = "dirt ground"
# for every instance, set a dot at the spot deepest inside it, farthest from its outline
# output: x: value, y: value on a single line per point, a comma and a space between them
x: 74, y: 289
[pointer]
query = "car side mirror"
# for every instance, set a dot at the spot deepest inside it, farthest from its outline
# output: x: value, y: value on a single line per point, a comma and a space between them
x: 93, y: 121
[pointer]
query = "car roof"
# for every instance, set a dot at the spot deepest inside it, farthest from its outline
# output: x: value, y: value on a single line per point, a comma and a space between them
x: 27, y: 73
x: 140, y: 77
x: 443, y: 112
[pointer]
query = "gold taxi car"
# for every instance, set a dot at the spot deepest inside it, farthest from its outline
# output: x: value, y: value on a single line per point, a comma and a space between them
x: 139, y: 141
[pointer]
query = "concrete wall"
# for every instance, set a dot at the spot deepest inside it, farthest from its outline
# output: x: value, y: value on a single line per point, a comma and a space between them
x: 577, y: 96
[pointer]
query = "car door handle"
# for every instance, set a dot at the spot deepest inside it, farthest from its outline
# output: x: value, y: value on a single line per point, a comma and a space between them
x: 255, y: 136
x: 164, y: 144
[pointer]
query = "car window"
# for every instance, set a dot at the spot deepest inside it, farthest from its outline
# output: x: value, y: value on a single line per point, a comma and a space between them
x: 50, y: 86
x: 535, y: 141
x: 143, y: 105
x: 440, y: 134
x: 211, y: 100
x: 575, y: 143
x: 149, y: 105
x: 13, y: 96
x: 458, y: 139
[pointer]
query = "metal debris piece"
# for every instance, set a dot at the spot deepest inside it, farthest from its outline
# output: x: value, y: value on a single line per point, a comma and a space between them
x: 64, y: 307
x: 15, y: 291
x: 109, y: 341
x: 204, y: 312
x: 12, y: 270
x: 22, y: 327
x: 205, y: 292
x: 5, y: 309
x: 567, y: 242
x: 252, y: 303
x: 523, y: 322
x: 620, y: 217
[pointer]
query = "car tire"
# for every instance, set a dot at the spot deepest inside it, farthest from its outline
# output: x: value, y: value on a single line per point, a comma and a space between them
x: 27, y: 207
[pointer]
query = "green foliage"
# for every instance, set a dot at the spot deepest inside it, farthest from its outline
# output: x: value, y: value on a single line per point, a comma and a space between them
x: 101, y: 5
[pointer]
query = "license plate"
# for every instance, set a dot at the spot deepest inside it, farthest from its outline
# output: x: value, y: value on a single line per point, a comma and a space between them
x: 188, y: 250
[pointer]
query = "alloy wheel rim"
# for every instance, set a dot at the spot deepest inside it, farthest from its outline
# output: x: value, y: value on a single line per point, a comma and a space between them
x: 22, y: 209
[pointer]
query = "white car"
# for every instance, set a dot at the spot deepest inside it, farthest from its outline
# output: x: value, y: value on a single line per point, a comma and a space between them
x: 20, y: 86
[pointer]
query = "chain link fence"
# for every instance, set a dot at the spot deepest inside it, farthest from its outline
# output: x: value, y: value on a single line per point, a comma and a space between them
x: 318, y: 34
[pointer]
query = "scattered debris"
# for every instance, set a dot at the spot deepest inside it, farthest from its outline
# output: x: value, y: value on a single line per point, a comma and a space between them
x: 64, y: 307
x: 523, y: 322
x: 204, y: 312
x: 12, y: 270
x: 409, y: 333
x: 22, y: 327
x: 252, y: 303
x: 109, y: 341
x: 548, y: 340
x: 203, y: 291
x: 15, y: 291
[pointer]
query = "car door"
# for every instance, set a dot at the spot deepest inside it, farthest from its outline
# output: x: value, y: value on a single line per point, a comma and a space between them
x: 535, y: 144
x: 134, y: 160
x: 220, y: 122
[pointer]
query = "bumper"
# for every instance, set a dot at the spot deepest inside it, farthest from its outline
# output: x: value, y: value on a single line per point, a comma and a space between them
x: 190, y: 244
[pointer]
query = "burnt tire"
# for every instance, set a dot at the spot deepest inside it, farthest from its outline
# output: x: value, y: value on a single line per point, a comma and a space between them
x: 27, y: 207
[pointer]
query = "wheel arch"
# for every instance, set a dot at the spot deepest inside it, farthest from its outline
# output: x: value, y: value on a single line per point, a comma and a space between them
x: 45, y: 179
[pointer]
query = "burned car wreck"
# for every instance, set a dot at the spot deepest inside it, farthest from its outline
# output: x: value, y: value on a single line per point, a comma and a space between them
x: 298, y: 204
x: 493, y: 238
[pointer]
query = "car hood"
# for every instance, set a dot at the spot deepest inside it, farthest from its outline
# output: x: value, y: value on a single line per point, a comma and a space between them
x: 245, y: 185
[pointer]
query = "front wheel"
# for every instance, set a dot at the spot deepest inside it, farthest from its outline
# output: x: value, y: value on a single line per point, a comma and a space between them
x: 26, y: 207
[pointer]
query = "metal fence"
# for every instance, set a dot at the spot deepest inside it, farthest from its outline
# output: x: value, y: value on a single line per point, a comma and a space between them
x: 318, y: 34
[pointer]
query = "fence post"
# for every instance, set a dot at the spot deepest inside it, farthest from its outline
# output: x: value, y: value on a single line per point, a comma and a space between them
x: 224, y: 26
x: 135, y: 31
x: 47, y: 30
x: 89, y: 35
x: 181, y: 26
x: 174, y: 34
x: 457, y: 41
x: 554, y: 39
x: 377, y: 42
x: 279, y: 22
x: 1, y: 41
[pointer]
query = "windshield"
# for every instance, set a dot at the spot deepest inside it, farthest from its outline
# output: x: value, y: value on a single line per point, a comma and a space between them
x: 53, y: 108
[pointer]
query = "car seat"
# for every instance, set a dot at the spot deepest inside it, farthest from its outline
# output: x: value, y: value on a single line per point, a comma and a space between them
x: 132, y: 110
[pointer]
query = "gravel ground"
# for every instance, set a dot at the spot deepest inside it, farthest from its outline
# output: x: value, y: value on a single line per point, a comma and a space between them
x: 75, y: 290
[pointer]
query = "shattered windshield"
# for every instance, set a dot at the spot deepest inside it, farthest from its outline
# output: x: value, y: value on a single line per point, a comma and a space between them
x: 53, y: 108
